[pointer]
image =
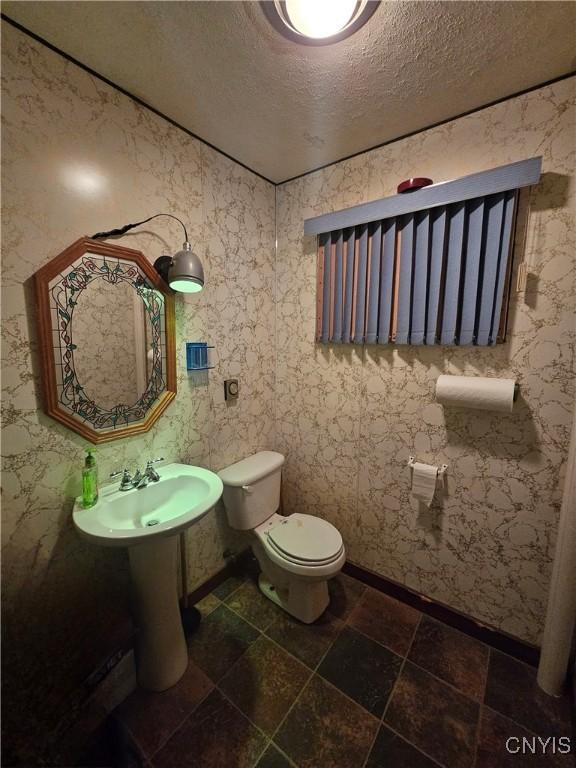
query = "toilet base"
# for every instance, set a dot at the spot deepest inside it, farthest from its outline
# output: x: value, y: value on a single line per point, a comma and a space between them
x: 305, y: 600
x: 270, y: 591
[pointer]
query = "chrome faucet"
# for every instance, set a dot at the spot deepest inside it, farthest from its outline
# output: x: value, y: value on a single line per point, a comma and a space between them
x: 139, y: 479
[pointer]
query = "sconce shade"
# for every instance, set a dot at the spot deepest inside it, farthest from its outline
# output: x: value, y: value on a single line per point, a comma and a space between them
x: 186, y: 273
x: 183, y: 272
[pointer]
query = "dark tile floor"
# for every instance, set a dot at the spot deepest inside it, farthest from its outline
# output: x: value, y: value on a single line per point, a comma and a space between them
x: 372, y: 684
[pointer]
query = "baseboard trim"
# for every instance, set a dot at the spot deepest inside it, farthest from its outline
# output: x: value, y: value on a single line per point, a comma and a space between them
x: 491, y: 636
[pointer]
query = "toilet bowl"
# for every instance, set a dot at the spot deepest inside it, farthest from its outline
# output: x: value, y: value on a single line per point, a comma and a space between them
x: 297, y: 554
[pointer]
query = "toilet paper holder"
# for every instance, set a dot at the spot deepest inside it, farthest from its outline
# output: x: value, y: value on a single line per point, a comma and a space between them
x: 441, y: 470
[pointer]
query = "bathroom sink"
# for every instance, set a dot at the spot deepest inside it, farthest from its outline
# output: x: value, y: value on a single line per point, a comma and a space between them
x: 147, y: 522
x: 182, y: 496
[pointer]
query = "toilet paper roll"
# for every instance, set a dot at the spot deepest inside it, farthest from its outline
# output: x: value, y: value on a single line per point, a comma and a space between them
x: 424, y: 482
x: 488, y: 394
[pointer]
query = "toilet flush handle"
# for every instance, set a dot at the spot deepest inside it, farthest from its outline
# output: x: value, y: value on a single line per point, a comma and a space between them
x: 248, y: 488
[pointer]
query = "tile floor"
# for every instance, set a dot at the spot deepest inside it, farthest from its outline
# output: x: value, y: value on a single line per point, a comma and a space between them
x: 373, y: 683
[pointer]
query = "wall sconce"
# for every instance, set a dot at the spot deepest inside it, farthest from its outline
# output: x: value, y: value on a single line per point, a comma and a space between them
x: 183, y: 272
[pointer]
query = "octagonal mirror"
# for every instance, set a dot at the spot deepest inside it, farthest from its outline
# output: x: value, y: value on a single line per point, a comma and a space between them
x: 106, y: 334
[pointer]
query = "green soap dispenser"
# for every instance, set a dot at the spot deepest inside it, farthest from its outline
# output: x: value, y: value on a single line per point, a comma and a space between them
x: 89, y: 480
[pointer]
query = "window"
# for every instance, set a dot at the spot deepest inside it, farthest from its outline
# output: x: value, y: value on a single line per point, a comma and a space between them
x: 436, y: 271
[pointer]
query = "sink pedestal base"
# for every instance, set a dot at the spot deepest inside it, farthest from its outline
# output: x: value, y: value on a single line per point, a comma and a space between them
x: 161, y: 651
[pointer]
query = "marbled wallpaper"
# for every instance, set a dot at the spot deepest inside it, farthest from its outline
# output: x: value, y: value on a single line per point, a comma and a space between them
x: 348, y: 417
x: 79, y: 157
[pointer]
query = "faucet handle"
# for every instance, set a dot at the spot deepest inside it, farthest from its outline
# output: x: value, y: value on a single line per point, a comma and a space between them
x: 150, y: 472
x: 126, y: 482
x: 124, y: 472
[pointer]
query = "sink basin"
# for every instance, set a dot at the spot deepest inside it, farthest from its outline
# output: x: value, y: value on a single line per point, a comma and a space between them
x: 182, y: 496
x: 147, y: 521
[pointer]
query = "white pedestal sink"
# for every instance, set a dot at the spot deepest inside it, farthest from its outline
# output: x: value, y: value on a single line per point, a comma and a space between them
x: 148, y: 522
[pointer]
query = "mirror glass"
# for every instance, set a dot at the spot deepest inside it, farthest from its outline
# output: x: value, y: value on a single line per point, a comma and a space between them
x: 108, y: 340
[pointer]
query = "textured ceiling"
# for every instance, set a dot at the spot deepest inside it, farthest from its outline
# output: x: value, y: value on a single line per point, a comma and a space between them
x: 221, y: 71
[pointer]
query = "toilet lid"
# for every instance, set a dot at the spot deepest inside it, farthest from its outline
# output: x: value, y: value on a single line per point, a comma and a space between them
x: 306, y: 537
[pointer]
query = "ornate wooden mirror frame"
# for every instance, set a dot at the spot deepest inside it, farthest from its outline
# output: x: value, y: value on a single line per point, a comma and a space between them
x: 59, y: 284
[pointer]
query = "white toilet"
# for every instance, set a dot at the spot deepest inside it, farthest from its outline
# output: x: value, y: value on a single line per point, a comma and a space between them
x: 297, y: 554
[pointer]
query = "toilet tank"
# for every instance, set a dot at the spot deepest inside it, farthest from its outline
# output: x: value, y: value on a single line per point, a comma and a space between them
x: 252, y: 489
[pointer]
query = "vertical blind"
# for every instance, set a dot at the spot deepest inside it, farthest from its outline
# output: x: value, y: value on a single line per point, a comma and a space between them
x: 432, y: 277
x: 436, y: 275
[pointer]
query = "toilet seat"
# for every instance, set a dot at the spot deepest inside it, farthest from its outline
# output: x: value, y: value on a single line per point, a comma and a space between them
x: 301, y: 561
x: 281, y: 534
x: 305, y: 539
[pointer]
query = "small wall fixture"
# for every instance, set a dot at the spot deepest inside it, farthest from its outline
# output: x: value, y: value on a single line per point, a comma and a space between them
x: 183, y: 272
x: 197, y: 356
x: 318, y: 22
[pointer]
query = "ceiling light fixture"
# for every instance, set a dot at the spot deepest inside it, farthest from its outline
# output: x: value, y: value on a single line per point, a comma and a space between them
x: 183, y: 272
x: 318, y: 22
